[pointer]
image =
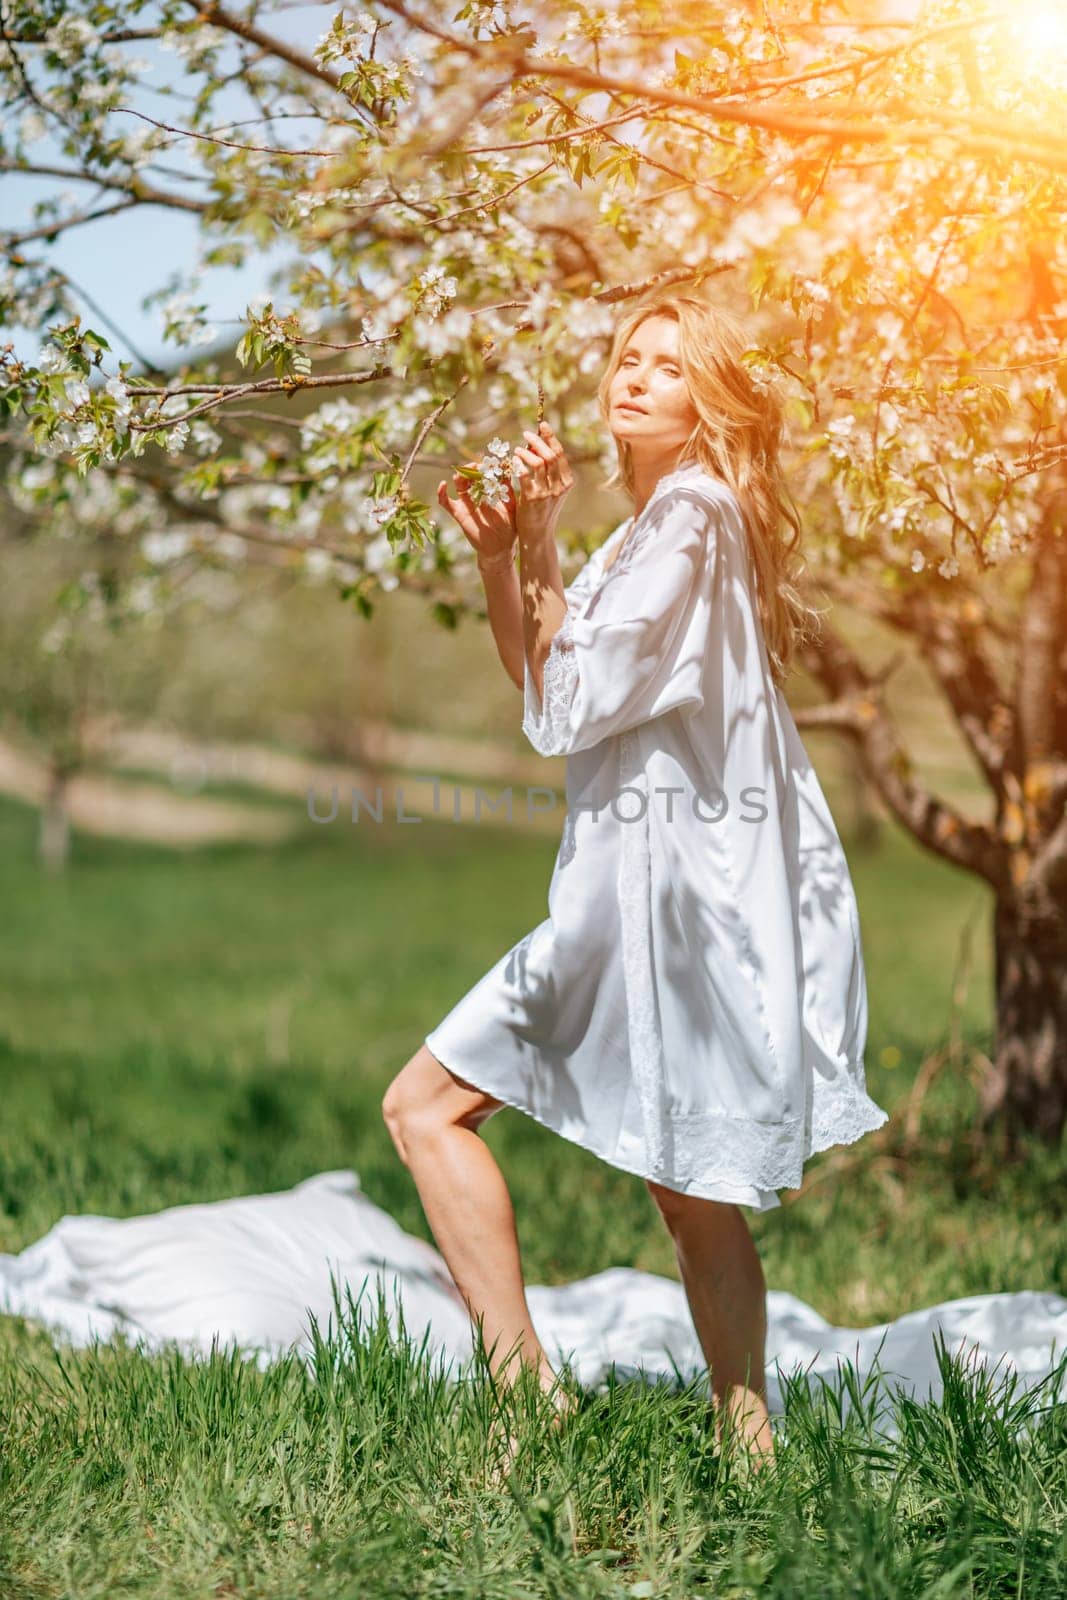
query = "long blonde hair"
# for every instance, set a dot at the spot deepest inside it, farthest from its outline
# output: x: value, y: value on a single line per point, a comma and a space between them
x: 737, y: 439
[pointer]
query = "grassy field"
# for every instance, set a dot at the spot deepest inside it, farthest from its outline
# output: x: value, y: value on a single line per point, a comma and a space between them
x: 188, y: 1027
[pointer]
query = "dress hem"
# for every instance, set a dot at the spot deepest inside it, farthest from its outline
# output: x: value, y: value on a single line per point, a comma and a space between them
x: 862, y: 1116
x: 701, y: 1192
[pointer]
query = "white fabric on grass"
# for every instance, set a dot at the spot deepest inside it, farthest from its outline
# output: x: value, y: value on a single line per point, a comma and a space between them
x: 248, y: 1272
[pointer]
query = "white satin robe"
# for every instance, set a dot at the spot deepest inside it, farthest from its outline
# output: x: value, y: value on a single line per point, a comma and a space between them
x: 694, y: 1007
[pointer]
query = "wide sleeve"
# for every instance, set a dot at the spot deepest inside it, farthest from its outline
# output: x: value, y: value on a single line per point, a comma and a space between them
x: 577, y: 593
x: 638, y: 649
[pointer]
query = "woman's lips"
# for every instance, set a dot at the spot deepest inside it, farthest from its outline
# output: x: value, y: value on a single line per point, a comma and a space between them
x: 625, y: 405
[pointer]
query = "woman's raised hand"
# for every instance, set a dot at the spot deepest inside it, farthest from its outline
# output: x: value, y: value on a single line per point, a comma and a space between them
x: 490, y: 529
x: 545, y: 479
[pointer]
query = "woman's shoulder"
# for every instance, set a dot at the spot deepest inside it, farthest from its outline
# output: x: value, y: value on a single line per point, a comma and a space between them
x: 697, y: 485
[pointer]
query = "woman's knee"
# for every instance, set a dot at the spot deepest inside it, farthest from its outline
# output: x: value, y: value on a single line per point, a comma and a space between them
x: 425, y: 1099
x: 677, y: 1209
x: 394, y: 1102
x: 669, y: 1203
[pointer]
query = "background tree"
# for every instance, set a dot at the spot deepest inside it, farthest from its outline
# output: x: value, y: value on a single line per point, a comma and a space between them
x: 80, y: 618
x: 462, y: 197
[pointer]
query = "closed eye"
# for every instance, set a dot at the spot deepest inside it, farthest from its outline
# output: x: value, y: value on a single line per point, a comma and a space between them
x: 669, y: 367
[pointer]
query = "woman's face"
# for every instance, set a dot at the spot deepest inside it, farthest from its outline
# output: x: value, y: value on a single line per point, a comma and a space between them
x: 648, y: 402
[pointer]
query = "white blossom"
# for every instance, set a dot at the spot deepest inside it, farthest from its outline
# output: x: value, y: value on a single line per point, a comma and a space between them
x: 758, y: 228
x: 195, y: 44
x: 142, y: 596
x: 544, y: 299
x: 32, y: 127
x: 378, y: 552
x: 206, y: 439
x: 184, y: 322
x: 317, y: 563
x: 164, y: 544
x: 336, y: 419
x: 349, y: 37
x: 77, y: 393
x: 435, y: 290
x: 382, y: 510
x: 56, y: 636
x: 442, y: 336
x: 71, y: 38
x: 117, y: 390
x: 53, y: 359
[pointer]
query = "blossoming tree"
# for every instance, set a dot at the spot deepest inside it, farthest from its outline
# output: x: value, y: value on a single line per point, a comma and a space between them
x: 463, y: 195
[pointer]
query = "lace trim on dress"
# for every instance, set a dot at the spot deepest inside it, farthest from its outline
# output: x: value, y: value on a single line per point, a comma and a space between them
x: 771, y: 1155
x: 842, y: 1111
x: 548, y: 732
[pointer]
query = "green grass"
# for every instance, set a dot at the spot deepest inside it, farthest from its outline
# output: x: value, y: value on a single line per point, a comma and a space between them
x: 188, y: 1027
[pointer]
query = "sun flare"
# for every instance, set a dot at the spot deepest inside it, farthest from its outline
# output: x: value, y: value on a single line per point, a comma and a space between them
x: 1037, y: 30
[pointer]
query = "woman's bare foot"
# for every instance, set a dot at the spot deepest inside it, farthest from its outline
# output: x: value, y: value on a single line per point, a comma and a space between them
x: 749, y: 1426
x: 503, y: 1444
x: 563, y: 1404
x: 503, y: 1450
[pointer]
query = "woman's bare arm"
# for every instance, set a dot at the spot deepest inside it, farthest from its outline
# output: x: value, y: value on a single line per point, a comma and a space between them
x: 543, y: 603
x: 491, y: 532
x: 546, y: 479
x: 527, y: 607
x: 503, y: 601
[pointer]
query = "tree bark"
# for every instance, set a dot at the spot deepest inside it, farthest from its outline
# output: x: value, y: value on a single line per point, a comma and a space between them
x: 54, y: 837
x: 1027, y: 1089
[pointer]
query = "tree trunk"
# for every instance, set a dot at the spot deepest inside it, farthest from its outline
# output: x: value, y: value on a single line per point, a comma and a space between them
x: 54, y: 838
x: 1027, y: 1090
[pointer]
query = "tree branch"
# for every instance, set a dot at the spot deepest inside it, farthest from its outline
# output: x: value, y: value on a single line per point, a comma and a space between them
x: 143, y: 193
x: 217, y: 16
x: 859, y: 710
x: 11, y: 241
x: 924, y: 123
x: 114, y: 36
x: 222, y: 392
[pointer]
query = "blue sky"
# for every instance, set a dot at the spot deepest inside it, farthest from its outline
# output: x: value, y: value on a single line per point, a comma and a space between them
x: 118, y: 260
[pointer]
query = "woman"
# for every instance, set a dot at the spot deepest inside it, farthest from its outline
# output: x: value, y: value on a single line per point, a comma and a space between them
x: 694, y: 1007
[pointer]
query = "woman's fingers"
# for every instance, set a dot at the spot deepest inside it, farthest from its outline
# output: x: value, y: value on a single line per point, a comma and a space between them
x: 458, y: 482
x: 559, y: 470
x: 459, y: 508
x: 476, y: 521
x: 552, y: 471
x: 546, y: 442
x: 540, y: 447
x: 540, y: 472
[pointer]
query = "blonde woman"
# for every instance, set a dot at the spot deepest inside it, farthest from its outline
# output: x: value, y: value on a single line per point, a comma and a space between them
x: 694, y: 1007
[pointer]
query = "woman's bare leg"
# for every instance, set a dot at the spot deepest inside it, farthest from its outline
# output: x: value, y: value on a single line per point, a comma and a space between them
x: 433, y: 1118
x: 727, y: 1296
